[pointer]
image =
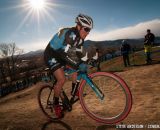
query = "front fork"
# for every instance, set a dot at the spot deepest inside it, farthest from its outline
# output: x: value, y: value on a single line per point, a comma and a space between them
x: 94, y: 87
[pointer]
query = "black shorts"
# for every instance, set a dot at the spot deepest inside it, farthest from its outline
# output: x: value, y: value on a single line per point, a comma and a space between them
x: 52, y: 59
x: 56, y: 59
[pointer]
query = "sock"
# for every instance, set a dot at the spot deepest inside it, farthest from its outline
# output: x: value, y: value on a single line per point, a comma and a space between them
x: 74, y: 88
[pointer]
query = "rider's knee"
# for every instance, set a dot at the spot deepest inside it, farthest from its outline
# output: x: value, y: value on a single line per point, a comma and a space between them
x: 61, y: 82
x: 74, y: 76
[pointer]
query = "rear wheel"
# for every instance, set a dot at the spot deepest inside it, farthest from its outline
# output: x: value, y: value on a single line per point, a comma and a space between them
x: 117, y: 101
x: 46, y: 102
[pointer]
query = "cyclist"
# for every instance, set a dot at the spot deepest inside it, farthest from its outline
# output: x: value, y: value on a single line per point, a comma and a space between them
x: 65, y: 48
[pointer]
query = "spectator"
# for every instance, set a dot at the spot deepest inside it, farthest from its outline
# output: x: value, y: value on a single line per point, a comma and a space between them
x: 125, y: 49
x: 148, y: 42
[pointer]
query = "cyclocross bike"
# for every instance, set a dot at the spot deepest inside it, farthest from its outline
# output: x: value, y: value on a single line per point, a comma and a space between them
x: 104, y: 96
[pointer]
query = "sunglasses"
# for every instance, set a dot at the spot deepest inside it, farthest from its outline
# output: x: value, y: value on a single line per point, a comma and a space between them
x: 87, y: 29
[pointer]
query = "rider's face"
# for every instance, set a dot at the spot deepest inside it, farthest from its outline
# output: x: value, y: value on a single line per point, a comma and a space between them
x: 84, y: 31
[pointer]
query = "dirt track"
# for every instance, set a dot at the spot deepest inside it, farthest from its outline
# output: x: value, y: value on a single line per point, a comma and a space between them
x: 20, y: 111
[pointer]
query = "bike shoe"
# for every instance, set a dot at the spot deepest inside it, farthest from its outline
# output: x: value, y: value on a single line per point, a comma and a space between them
x: 58, y: 111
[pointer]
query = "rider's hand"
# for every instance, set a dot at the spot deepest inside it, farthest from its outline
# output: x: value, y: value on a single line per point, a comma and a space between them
x: 85, y: 58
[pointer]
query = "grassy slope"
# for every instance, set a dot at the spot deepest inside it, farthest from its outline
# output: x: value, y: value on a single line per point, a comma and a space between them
x: 136, y: 59
x: 20, y: 110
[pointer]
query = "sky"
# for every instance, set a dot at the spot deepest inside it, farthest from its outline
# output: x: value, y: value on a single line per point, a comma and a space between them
x: 32, y: 25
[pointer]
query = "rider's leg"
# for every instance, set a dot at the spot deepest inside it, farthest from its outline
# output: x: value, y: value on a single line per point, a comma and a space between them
x: 75, y: 84
x: 74, y: 78
x: 60, y: 76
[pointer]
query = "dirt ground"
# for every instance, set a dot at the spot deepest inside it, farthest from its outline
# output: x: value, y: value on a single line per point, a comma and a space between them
x: 20, y: 110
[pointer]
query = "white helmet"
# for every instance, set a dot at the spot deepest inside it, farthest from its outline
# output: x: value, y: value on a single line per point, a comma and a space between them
x: 84, y: 21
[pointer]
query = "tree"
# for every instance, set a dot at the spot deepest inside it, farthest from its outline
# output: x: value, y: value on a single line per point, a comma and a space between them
x: 10, y: 52
x: 2, y: 72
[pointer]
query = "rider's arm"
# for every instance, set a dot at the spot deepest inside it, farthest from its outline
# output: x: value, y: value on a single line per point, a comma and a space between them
x: 69, y: 40
x: 85, y: 58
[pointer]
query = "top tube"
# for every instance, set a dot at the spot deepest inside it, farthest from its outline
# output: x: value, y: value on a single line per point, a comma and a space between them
x: 82, y: 69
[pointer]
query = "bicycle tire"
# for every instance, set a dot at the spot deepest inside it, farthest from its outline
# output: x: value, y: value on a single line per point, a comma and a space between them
x: 50, y: 115
x: 86, y: 108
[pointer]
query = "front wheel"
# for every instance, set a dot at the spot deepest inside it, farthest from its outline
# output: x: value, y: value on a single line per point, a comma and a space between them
x: 117, y: 101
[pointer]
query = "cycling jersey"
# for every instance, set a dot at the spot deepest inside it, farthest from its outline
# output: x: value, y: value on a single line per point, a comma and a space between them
x: 66, y: 36
x: 54, y: 54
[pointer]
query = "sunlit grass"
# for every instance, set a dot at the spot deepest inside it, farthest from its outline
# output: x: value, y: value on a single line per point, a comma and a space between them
x: 136, y: 59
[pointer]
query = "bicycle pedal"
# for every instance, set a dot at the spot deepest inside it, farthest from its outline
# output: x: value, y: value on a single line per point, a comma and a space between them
x: 67, y: 107
x: 72, y: 100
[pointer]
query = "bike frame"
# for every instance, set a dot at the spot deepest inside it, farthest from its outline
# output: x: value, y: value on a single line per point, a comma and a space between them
x: 84, y: 76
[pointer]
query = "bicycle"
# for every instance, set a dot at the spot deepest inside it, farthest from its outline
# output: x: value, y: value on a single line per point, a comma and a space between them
x: 104, y: 96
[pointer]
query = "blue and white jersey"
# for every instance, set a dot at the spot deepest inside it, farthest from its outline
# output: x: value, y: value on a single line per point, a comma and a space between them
x: 66, y: 36
x: 66, y: 47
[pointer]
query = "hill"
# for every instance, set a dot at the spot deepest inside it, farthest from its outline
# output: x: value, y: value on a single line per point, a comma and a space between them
x: 20, y: 111
x: 117, y: 43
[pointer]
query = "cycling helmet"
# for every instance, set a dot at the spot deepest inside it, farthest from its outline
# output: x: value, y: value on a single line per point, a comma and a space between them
x: 84, y: 21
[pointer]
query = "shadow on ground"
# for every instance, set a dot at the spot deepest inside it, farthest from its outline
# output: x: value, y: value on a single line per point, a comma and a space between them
x: 55, y: 125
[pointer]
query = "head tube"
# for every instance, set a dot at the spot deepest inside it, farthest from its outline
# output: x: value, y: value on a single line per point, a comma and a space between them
x: 83, y: 68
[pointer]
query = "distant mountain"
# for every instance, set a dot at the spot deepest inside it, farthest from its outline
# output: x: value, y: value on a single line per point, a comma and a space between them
x: 33, y: 53
x: 157, y: 40
x: 113, y: 44
x: 89, y: 45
